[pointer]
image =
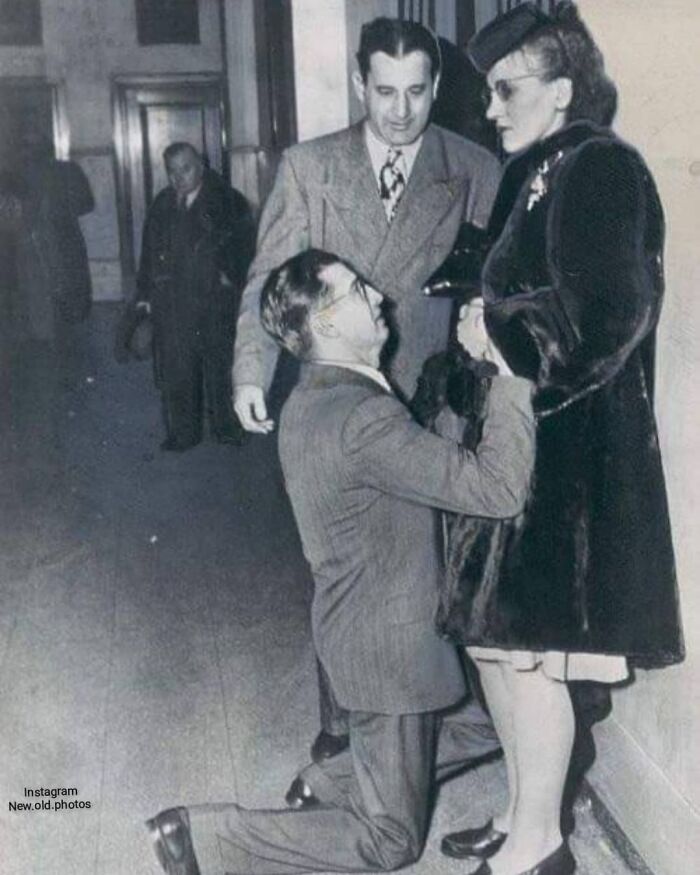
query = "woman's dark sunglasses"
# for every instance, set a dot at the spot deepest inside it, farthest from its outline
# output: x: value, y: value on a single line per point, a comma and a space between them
x: 503, y: 89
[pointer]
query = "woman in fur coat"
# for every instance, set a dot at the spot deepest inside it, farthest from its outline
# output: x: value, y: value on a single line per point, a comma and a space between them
x: 572, y: 290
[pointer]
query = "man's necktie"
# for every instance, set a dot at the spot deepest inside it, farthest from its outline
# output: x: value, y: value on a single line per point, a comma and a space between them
x: 392, y: 182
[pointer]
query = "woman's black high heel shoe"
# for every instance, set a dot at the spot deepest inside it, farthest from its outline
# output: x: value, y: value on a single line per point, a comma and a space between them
x: 559, y: 862
x: 482, y: 842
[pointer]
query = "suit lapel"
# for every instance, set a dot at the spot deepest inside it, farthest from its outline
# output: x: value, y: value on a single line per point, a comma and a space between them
x: 351, y: 196
x: 428, y: 197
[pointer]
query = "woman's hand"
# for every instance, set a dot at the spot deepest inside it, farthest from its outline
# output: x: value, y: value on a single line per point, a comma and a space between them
x: 472, y: 335
x: 471, y: 331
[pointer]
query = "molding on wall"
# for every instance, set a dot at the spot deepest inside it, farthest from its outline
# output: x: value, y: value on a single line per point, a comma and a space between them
x: 92, y: 152
x: 637, y: 794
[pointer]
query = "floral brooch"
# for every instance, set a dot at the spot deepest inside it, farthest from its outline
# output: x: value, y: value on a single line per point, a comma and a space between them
x: 540, y: 184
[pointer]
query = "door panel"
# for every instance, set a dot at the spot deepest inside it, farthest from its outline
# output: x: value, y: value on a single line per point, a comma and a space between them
x: 149, y: 116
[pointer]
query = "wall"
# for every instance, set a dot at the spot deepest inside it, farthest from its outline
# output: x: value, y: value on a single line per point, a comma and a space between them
x: 648, y: 769
x: 86, y: 42
x: 320, y: 53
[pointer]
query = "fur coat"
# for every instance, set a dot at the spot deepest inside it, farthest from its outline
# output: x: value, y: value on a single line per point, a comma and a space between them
x: 573, y: 286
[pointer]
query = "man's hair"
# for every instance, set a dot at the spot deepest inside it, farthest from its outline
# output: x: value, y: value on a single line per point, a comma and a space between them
x: 396, y: 38
x: 291, y: 292
x: 175, y: 149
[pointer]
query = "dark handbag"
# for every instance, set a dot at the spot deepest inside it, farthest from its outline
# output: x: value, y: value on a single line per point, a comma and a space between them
x: 459, y: 276
x: 134, y: 335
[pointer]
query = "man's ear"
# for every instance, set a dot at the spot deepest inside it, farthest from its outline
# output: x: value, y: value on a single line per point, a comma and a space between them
x: 358, y: 83
x: 323, y: 325
x: 436, y: 85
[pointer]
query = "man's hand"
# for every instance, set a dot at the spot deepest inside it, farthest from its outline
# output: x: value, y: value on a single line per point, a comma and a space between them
x: 250, y: 407
x: 472, y: 335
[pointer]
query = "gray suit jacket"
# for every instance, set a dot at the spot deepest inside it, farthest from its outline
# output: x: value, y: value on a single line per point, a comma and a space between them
x: 363, y: 479
x: 325, y: 195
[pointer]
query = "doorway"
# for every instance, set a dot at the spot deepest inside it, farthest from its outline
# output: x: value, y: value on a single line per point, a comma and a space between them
x: 149, y: 114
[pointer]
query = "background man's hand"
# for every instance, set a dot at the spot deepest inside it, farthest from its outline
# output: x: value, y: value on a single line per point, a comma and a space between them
x: 250, y: 407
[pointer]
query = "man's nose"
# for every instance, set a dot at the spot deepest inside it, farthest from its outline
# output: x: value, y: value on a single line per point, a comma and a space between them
x: 494, y: 107
x: 402, y: 106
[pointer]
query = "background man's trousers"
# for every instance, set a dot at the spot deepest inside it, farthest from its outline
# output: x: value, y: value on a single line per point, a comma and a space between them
x: 376, y: 799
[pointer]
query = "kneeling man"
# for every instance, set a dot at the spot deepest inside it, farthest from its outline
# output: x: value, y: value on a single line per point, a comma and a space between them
x: 364, y: 479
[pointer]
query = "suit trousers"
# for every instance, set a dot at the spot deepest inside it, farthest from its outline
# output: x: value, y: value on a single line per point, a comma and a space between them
x: 376, y: 800
x: 195, y: 372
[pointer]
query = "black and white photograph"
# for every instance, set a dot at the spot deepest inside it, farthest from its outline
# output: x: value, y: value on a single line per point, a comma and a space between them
x: 349, y: 356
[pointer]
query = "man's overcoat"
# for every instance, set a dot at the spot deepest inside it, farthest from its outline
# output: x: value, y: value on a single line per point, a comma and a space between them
x: 325, y: 196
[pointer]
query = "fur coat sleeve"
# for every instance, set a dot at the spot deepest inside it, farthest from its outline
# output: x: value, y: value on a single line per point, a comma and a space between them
x: 571, y: 327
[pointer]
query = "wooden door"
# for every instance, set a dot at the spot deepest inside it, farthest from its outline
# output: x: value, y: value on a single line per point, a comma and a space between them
x: 151, y: 114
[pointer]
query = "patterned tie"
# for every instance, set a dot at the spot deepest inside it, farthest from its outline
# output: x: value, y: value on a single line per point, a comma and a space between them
x: 392, y: 182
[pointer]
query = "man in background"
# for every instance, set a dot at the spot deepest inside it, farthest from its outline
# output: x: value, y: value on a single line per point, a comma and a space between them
x: 197, y: 245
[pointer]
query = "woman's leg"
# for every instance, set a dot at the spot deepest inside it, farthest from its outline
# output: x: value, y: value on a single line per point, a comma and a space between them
x: 543, y: 725
x: 499, y: 697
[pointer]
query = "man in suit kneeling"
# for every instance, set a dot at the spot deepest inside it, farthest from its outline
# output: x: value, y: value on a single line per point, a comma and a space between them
x: 364, y: 481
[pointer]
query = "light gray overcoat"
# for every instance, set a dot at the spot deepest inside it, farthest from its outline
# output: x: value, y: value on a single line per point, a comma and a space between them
x: 325, y: 196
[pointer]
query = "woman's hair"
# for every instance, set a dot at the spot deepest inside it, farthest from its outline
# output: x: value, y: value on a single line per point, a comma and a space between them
x: 566, y: 48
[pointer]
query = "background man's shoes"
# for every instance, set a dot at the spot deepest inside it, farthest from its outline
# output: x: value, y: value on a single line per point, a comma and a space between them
x: 300, y: 795
x: 326, y: 746
x: 482, y: 842
x: 170, y: 832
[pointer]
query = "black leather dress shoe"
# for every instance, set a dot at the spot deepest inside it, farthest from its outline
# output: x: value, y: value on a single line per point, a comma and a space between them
x: 170, y: 832
x: 326, y: 746
x: 300, y: 795
x: 482, y: 842
x: 560, y: 862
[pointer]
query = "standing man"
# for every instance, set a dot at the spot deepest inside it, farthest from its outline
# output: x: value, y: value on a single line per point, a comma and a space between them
x: 197, y: 245
x: 388, y: 195
x: 363, y: 478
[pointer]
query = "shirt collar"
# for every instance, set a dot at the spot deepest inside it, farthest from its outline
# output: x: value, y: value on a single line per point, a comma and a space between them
x: 378, y: 151
x: 367, y: 371
x: 192, y: 196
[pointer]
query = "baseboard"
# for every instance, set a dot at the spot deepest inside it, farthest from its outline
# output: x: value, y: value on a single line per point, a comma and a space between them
x: 617, y: 837
x: 652, y: 826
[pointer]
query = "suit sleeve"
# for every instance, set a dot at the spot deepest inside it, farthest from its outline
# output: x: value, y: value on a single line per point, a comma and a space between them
x: 573, y: 336
x: 484, y: 185
x: 394, y: 454
x: 283, y: 232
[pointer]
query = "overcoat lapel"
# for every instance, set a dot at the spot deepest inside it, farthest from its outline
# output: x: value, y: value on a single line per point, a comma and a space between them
x: 351, y: 199
x: 428, y: 197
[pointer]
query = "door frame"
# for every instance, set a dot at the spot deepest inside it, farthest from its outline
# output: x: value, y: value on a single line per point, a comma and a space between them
x: 121, y: 85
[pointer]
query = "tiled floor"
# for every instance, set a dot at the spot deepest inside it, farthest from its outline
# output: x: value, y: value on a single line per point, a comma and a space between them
x: 154, y: 645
